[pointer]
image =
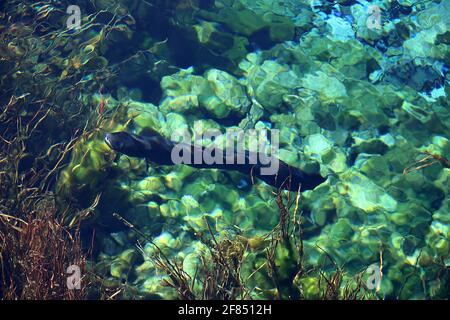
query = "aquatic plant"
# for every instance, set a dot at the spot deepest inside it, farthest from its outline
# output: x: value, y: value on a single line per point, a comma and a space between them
x: 39, y: 238
x: 221, y: 269
x: 41, y: 123
x: 36, y: 253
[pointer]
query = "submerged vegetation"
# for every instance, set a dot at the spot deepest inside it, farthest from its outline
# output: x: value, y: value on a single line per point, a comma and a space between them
x: 221, y: 272
x: 367, y: 107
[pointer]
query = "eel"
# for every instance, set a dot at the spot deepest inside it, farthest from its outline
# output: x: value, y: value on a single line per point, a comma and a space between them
x: 157, y: 149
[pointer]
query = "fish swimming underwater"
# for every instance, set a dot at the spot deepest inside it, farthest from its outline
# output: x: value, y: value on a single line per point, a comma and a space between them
x: 157, y: 149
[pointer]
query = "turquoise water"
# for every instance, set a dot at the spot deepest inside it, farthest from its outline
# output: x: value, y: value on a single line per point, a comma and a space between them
x: 356, y: 91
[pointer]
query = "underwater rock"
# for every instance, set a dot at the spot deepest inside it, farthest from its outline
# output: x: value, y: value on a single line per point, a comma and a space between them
x: 171, y: 209
x: 190, y: 205
x: 368, y: 31
x: 229, y: 46
x: 181, y: 91
x: 218, y: 94
x: 340, y: 29
x: 174, y: 122
x: 353, y: 59
x: 151, y: 184
x: 89, y: 171
x: 268, y: 82
x: 363, y: 193
x: 420, y: 113
x: 265, y: 27
x: 328, y: 88
x: 317, y: 145
x: 145, y: 116
x: 415, y: 75
x: 338, y: 163
x: 341, y: 230
x: 374, y: 167
x: 227, y: 95
x: 122, y: 264
x: 443, y: 38
x: 310, y: 287
x: 153, y: 209
x: 165, y: 241
x: 370, y: 146
x: 174, y: 181
x: 431, y: 22
x: 288, y: 156
x: 154, y: 286
x: 239, y: 19
x: 412, y: 215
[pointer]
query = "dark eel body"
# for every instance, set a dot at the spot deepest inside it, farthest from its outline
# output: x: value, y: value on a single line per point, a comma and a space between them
x: 157, y: 149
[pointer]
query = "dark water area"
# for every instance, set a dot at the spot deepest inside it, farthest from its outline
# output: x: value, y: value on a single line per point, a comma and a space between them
x: 353, y: 94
